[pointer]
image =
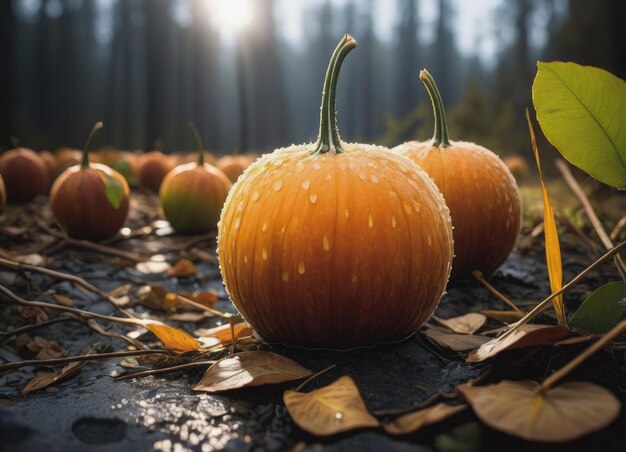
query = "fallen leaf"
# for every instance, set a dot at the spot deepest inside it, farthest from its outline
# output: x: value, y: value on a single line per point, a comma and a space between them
x: 555, y: 415
x: 504, y: 316
x: 153, y: 297
x: 604, y: 309
x: 551, y: 234
x: 456, y: 342
x: 31, y: 259
x: 151, y: 267
x: 414, y: 421
x: 63, y: 300
x: 529, y: 335
x: 254, y: 368
x: 173, y: 338
x: 121, y: 291
x: 332, y: 409
x: 183, y: 267
x: 41, y: 347
x: 223, y: 332
x: 44, y: 380
x: 464, y: 324
x: 31, y: 312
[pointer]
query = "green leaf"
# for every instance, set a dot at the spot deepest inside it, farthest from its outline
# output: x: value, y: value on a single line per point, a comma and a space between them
x: 113, y: 190
x: 582, y: 111
x: 602, y: 310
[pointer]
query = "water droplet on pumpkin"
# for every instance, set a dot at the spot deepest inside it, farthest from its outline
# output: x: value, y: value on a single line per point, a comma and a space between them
x: 255, y: 196
x: 285, y: 276
x: 362, y: 175
x: 407, y: 207
x: 326, y: 243
x: 245, y: 259
x: 277, y: 185
x: 306, y: 184
x: 316, y: 165
x: 430, y: 240
x: 264, y: 254
x: 393, y: 222
x: 338, y: 416
x: 265, y: 226
x: 370, y: 221
x: 346, y: 212
x: 301, y: 268
x: 313, y: 198
x: 342, y: 166
x: 240, y: 206
x: 237, y: 222
x: 374, y: 179
x: 355, y: 278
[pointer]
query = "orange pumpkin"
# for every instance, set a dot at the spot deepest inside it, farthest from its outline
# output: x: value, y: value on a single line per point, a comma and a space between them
x: 3, y: 195
x: 25, y: 174
x: 90, y: 201
x: 193, y: 194
x: 479, y: 189
x: 152, y: 168
x: 332, y: 243
x: 233, y: 165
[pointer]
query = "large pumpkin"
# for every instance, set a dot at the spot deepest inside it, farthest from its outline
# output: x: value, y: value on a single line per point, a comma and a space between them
x: 479, y: 189
x: 90, y: 200
x: 335, y: 244
x: 25, y: 174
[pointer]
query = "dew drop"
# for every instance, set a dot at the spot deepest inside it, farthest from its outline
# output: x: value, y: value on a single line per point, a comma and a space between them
x: 430, y: 240
x: 374, y: 179
x: 407, y: 207
x: 338, y: 416
x: 277, y: 185
x: 370, y: 221
x: 237, y: 222
x: 326, y: 243
x: 306, y: 184
x: 245, y: 259
x: 316, y: 165
x: 265, y: 226
x: 264, y: 254
x: 301, y: 268
x: 362, y: 175
x: 346, y: 212
x: 255, y: 196
x: 285, y: 276
x: 313, y: 198
x: 240, y: 206
x: 393, y: 222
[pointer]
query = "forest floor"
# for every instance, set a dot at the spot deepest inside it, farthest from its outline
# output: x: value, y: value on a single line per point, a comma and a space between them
x: 162, y: 412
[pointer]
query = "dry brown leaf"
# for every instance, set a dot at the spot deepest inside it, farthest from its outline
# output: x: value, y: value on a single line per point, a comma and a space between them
x: 253, y: 368
x: 173, y: 338
x: 456, y: 342
x: 332, y: 409
x: 556, y: 415
x: 63, y: 300
x: 504, y: 316
x: 223, y: 332
x: 152, y: 297
x: 529, y: 335
x: 414, y: 421
x: 183, y: 267
x: 31, y: 312
x: 207, y: 298
x: 121, y: 291
x: 464, y: 324
x: 42, y: 348
x: 44, y: 380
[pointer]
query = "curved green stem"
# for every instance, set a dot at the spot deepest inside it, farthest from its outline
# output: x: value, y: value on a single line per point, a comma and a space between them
x: 85, y: 162
x: 328, y: 139
x: 198, y: 139
x: 440, y: 137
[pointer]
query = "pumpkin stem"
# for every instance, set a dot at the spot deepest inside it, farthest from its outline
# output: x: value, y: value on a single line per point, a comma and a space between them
x: 440, y: 137
x: 328, y: 139
x: 85, y: 162
x: 198, y: 139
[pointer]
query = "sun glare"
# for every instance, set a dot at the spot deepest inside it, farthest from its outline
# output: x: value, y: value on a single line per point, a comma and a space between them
x: 230, y: 16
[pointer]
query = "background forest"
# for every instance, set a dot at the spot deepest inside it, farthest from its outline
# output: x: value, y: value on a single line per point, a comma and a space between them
x: 249, y: 73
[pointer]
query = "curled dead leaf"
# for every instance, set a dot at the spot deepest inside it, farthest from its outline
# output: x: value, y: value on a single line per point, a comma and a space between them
x: 183, y: 267
x: 528, y: 335
x: 464, y: 324
x: 41, y: 347
x: 456, y: 342
x: 173, y: 338
x: 31, y: 312
x: 555, y: 415
x: 332, y: 409
x: 46, y: 379
x: 254, y: 368
x: 414, y: 421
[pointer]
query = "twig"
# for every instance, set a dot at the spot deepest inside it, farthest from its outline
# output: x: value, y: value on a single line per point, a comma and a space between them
x: 618, y: 228
x: 224, y: 315
x: 71, y: 359
x: 595, y: 222
x: 7, y: 334
x: 314, y: 376
x: 7, y: 263
x: 537, y: 309
x: 615, y: 332
x: 479, y: 276
x: 164, y: 370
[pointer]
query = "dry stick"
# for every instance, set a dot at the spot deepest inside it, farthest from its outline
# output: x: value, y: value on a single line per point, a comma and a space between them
x: 71, y: 359
x: 615, y: 332
x: 479, y: 276
x: 540, y: 307
x: 580, y: 194
x: 314, y: 376
x: 618, y: 228
x: 7, y: 263
x: 224, y: 315
x: 164, y: 370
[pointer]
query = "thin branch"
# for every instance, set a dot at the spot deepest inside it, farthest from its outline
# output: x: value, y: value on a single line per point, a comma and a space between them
x: 18, y: 266
x: 164, y: 370
x: 314, y: 376
x: 595, y: 222
x: 224, y: 315
x: 540, y: 307
x: 615, y: 332
x: 7, y: 334
x: 479, y: 276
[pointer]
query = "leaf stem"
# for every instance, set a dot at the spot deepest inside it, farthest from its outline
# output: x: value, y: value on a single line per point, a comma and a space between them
x: 440, y: 135
x: 198, y: 140
x: 479, y: 276
x: 164, y: 370
x: 85, y: 162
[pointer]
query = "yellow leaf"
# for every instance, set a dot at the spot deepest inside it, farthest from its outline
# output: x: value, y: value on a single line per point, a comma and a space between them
x: 563, y: 413
x: 464, y: 324
x: 253, y: 368
x: 172, y: 338
x: 414, y: 421
x: 553, y: 249
x: 332, y: 409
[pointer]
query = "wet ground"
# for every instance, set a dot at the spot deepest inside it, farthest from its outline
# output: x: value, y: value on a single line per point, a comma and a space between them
x: 93, y: 411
